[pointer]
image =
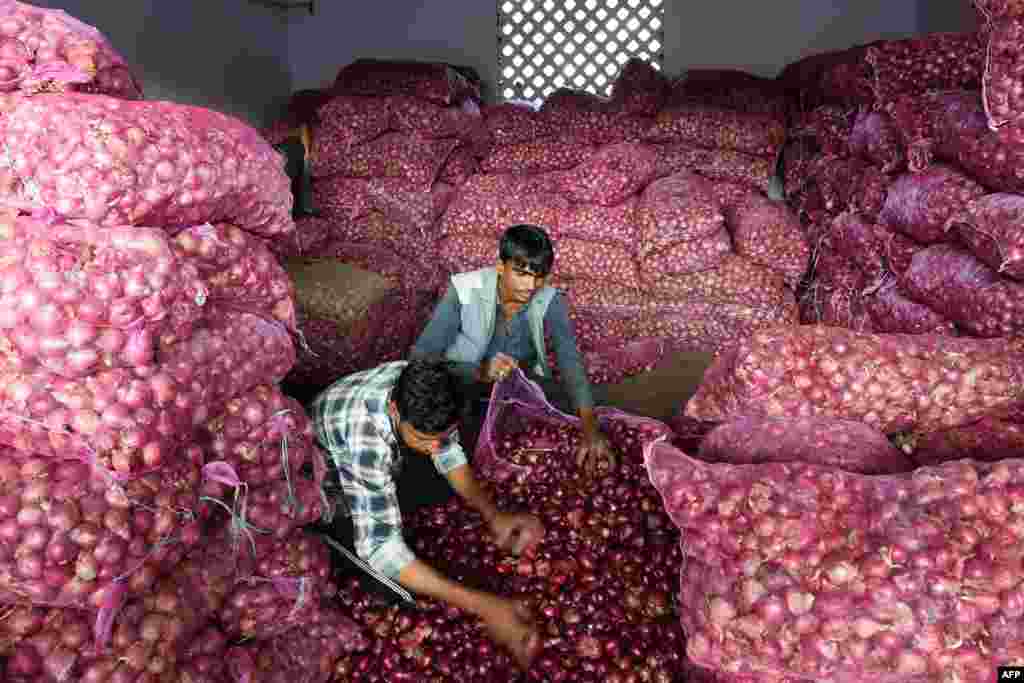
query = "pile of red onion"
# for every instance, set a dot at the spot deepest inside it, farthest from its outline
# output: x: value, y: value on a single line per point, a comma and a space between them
x: 600, y: 582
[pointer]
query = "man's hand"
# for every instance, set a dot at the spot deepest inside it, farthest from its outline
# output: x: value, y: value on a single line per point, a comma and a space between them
x: 595, y: 455
x: 515, y: 532
x: 498, y: 367
x: 509, y: 624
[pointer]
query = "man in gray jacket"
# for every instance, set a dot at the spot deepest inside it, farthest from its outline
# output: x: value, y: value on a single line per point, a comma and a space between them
x: 493, y: 320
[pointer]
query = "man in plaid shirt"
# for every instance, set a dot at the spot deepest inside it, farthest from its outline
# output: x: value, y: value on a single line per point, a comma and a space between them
x: 368, y: 422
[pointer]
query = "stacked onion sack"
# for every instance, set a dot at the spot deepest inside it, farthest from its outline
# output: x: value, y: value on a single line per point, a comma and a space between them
x: 813, y: 543
x: 826, y: 527
x: 144, y: 324
x: 635, y: 189
x: 902, y: 168
x: 391, y: 143
x: 860, y: 172
x: 599, y: 583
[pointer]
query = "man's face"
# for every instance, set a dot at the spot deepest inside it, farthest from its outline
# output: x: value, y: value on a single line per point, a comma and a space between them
x: 518, y: 282
x: 421, y: 442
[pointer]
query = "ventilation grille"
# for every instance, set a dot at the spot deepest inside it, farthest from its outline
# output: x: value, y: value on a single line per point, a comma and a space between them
x: 544, y: 45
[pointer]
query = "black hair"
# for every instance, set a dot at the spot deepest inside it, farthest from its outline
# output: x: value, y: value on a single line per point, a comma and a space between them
x: 527, y: 246
x: 427, y: 395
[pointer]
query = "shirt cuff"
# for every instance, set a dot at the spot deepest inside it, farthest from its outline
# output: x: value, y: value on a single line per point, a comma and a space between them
x: 391, y: 558
x: 450, y: 458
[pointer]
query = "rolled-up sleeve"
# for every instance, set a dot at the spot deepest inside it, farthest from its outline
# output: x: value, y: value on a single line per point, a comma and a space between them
x: 450, y: 457
x: 570, y: 364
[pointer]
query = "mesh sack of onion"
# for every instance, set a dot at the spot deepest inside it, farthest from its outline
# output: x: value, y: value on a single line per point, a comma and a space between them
x: 828, y: 126
x: 151, y: 638
x: 799, y: 569
x: 345, y: 121
x: 688, y: 257
x: 432, y: 81
x: 846, y: 444
x: 283, y: 592
x: 853, y: 242
x: 489, y: 204
x: 719, y: 128
x: 993, y: 158
x: 131, y: 420
x: 343, y: 198
x: 301, y: 655
x: 992, y: 227
x: 611, y: 175
x: 461, y: 165
x: 927, y: 63
x: 769, y: 233
x: 598, y: 582
x: 408, y: 156
x: 992, y: 438
x: 892, y: 310
x: 89, y: 540
x: 238, y: 270
x: 736, y: 279
x: 953, y: 282
x: 875, y: 137
x: 893, y: 382
x: 694, y: 325
x: 48, y: 50
x: 1002, y: 86
x: 410, y: 114
x: 585, y: 118
x: 834, y: 295
x: 537, y: 156
x: 920, y: 204
x: 848, y: 184
x: 594, y: 292
x: 838, y: 77
x: 229, y: 173
x: 611, y: 361
x: 677, y: 209
x: 510, y: 123
x: 716, y: 164
x: 77, y: 298
x: 574, y: 258
x: 398, y: 270
x: 990, y: 9
x: 263, y: 434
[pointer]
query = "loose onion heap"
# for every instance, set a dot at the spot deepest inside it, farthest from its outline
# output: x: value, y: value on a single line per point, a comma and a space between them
x: 600, y: 582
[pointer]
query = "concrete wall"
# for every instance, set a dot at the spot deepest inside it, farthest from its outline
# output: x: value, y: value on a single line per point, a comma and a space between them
x: 758, y: 36
x: 945, y: 15
x: 229, y: 55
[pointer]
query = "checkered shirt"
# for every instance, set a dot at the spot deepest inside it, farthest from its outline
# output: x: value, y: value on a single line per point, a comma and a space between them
x: 353, y: 425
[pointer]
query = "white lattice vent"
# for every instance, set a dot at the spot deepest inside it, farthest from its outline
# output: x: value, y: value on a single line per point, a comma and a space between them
x: 544, y: 45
